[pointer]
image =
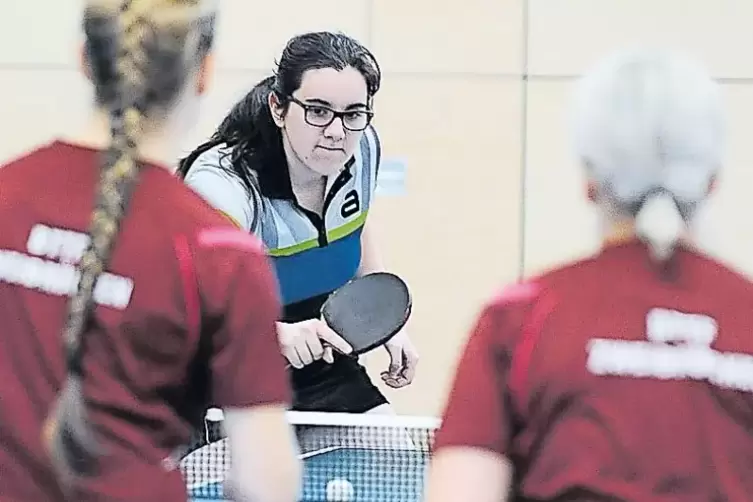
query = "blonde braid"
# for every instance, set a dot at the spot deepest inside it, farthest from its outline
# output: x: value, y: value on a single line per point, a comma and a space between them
x: 73, y: 444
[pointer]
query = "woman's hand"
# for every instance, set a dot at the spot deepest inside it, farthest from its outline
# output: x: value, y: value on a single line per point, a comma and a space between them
x: 304, y: 342
x: 403, y: 361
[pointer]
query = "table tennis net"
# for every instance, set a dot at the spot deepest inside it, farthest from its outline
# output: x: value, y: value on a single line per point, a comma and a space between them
x: 346, y: 457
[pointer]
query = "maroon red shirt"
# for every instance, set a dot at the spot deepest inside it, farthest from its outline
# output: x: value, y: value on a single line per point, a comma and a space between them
x: 185, y: 314
x: 606, y: 380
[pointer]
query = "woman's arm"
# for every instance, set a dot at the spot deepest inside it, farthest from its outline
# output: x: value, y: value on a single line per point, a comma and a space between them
x: 467, y: 473
x: 402, y: 352
x: 237, y: 289
x: 470, y: 459
x: 265, y: 463
x: 371, y: 257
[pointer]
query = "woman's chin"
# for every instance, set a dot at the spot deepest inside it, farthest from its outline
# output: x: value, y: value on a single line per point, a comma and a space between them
x: 327, y: 168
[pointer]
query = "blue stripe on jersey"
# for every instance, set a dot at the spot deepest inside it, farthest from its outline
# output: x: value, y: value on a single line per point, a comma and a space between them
x: 319, y: 270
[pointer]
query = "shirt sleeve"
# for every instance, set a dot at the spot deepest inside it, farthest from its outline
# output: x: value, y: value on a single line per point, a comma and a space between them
x: 221, y: 189
x: 240, y: 305
x: 477, y: 412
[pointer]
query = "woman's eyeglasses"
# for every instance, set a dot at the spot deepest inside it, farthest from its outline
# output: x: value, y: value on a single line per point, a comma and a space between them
x: 322, y: 116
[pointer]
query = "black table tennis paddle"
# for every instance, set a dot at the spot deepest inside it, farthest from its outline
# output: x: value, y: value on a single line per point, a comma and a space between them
x: 368, y: 310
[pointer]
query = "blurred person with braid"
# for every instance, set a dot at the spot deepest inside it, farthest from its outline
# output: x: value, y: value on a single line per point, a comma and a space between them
x: 626, y: 376
x: 170, y: 306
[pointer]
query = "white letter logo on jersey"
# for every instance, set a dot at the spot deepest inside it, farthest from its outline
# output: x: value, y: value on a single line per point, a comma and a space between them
x: 50, y: 263
x: 678, y: 347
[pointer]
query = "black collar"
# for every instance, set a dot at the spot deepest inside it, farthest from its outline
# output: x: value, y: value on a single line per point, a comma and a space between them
x: 275, y: 183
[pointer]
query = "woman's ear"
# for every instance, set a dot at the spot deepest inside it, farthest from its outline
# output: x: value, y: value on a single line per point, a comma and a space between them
x: 277, y: 109
x: 592, y: 189
x: 83, y: 62
x: 592, y: 192
x: 206, y: 72
x: 713, y: 184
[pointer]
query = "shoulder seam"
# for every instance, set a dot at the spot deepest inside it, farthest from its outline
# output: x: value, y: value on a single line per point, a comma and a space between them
x: 227, y: 237
x: 190, y: 284
x: 517, y: 292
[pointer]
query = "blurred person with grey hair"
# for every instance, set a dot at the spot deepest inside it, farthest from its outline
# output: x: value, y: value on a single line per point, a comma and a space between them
x: 626, y: 376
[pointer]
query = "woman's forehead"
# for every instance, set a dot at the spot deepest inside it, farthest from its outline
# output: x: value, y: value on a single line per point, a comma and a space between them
x: 339, y: 88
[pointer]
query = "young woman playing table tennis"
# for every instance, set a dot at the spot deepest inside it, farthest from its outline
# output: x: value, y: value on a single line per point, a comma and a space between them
x: 295, y: 162
x: 159, y: 322
x: 625, y: 376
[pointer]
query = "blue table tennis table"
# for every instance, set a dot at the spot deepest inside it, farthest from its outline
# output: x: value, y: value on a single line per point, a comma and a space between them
x: 376, y: 476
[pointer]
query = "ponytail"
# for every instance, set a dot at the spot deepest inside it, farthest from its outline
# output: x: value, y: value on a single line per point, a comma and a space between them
x: 72, y: 442
x: 251, y: 135
x: 660, y: 224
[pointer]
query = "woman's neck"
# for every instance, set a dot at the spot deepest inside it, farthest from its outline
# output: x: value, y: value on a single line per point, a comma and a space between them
x: 155, y: 146
x: 303, y: 178
x: 623, y: 231
x: 619, y: 232
x: 309, y: 190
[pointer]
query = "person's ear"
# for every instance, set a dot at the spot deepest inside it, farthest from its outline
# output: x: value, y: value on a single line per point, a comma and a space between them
x: 712, y: 184
x: 84, y: 63
x: 277, y: 109
x: 206, y: 71
x: 592, y: 191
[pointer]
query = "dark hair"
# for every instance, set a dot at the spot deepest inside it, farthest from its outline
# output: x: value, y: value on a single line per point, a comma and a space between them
x: 137, y: 58
x: 250, y: 132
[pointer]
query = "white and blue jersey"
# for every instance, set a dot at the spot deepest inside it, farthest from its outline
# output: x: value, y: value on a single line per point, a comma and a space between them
x: 312, y: 254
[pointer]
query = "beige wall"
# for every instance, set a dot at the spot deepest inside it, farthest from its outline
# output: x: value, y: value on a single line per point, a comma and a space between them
x: 456, y: 105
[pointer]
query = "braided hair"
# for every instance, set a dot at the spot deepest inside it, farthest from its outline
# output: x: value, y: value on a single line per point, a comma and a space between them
x: 140, y: 54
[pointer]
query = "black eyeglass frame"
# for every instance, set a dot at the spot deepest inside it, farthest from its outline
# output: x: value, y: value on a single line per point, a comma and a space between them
x: 307, y: 107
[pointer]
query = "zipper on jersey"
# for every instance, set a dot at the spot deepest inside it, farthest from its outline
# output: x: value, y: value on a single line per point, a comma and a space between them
x: 319, y: 220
